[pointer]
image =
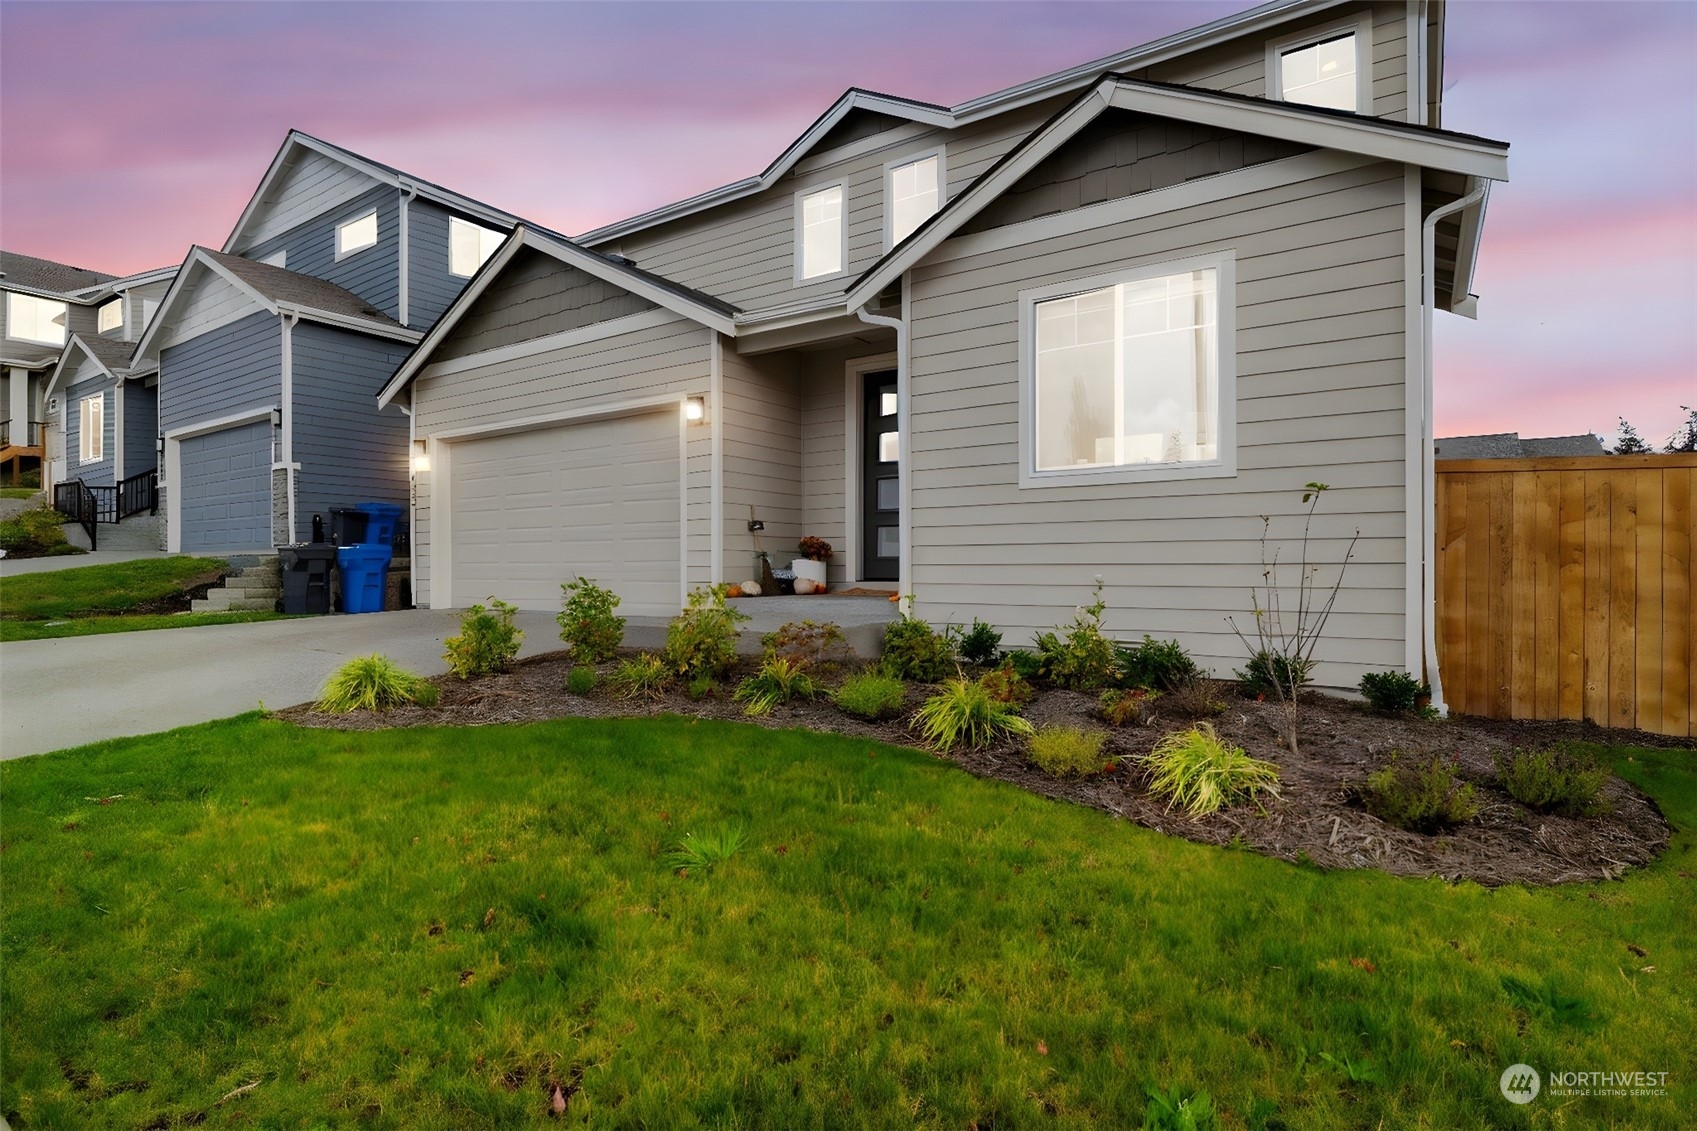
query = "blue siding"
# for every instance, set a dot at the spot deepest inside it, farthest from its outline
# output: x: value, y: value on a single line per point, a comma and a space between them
x: 373, y: 274
x: 141, y: 428
x: 431, y: 287
x: 348, y: 451
x: 99, y: 472
x: 222, y: 372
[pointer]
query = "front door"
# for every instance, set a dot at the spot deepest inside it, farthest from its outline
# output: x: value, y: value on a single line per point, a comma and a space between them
x: 880, y: 484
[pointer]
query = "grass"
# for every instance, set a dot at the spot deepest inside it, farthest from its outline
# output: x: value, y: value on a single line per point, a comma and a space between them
x: 95, y: 626
x: 429, y: 928
x: 91, y: 600
x: 19, y: 492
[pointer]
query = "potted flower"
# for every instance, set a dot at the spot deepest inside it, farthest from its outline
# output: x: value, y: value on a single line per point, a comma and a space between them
x: 815, y: 552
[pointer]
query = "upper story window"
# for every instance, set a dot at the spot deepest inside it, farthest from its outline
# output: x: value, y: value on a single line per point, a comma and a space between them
x: 91, y: 432
x: 149, y: 307
x: 469, y: 245
x: 913, y: 191
x: 112, y: 316
x: 1322, y: 68
x: 821, y: 234
x: 31, y: 319
x: 356, y: 235
x: 1130, y: 377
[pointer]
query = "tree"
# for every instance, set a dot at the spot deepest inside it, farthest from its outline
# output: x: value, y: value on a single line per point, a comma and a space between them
x: 1684, y: 438
x: 1630, y: 442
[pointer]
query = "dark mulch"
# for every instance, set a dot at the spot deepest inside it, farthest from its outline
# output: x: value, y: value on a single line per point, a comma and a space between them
x: 1317, y: 816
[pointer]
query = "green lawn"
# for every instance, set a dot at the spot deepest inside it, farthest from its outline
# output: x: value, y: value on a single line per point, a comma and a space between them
x: 96, y: 626
x: 87, y: 600
x: 19, y: 492
x: 423, y: 928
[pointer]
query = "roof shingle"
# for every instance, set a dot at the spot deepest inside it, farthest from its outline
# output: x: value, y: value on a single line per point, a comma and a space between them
x: 46, y: 275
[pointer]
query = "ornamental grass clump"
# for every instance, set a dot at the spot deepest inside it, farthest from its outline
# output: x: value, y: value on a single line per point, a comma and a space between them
x: 702, y: 851
x: 642, y: 676
x: 488, y: 641
x: 964, y: 713
x: 1196, y: 771
x: 374, y: 683
x: 1422, y: 796
x: 587, y: 622
x: 1557, y: 781
x: 779, y: 680
x: 1067, y: 752
x: 871, y: 695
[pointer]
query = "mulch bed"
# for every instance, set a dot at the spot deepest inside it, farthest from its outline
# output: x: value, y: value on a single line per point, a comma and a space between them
x: 1316, y: 818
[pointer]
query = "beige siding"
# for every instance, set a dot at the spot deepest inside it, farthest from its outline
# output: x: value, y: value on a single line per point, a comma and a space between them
x: 313, y: 186
x: 823, y: 431
x: 1319, y: 356
x: 537, y: 295
x: 762, y: 460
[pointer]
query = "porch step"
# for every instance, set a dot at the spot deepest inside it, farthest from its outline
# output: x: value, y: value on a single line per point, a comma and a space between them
x: 138, y: 532
x: 254, y: 588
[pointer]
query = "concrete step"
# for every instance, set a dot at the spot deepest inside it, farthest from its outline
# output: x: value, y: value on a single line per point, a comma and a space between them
x: 235, y: 605
x: 250, y: 581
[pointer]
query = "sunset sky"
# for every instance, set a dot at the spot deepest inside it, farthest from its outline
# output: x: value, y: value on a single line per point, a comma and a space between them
x: 129, y: 131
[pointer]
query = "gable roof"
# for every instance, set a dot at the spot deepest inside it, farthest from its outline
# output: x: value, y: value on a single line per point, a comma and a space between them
x: 30, y: 273
x: 712, y: 312
x: 112, y: 357
x: 1426, y: 146
x: 140, y: 279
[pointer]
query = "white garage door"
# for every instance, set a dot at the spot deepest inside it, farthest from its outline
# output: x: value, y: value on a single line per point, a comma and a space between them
x: 534, y: 509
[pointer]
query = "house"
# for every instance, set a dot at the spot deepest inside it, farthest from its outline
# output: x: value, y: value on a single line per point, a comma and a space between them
x: 1091, y: 326
x: 1509, y: 445
x: 270, y: 351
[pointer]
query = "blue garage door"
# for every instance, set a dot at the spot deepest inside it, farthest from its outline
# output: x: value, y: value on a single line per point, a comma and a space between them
x: 226, y: 489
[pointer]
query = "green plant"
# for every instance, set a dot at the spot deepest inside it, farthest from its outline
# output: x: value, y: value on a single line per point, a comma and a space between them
x: 1555, y: 781
x: 487, y: 643
x: 1174, y: 1111
x: 1078, y: 656
x: 1196, y: 770
x: 374, y: 683
x: 1159, y: 665
x: 871, y: 695
x: 1127, y: 707
x: 1006, y: 685
x: 702, y: 640
x: 581, y: 680
x: 779, y: 680
x: 702, y: 851
x: 817, y: 645
x: 1270, y: 675
x: 914, y: 650
x: 979, y: 644
x: 702, y: 687
x: 587, y: 622
x: 1395, y: 693
x: 642, y: 676
x: 1027, y: 665
x: 1424, y: 797
x: 963, y: 713
x: 1067, y: 752
x: 39, y: 531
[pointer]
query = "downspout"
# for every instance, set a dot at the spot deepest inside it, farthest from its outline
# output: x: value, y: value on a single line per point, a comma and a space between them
x: 904, y: 482
x: 1428, y: 457
x: 412, y: 487
x: 287, y: 455
x: 407, y: 193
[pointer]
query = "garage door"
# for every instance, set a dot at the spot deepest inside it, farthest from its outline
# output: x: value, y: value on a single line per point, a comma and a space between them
x: 225, y: 489
x: 534, y: 509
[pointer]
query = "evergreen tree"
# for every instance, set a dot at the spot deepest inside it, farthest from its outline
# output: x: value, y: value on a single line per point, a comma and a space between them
x: 1684, y: 438
x: 1630, y: 442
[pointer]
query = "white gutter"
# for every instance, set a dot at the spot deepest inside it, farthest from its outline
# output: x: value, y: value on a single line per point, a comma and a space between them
x: 904, y: 481
x: 1428, y: 472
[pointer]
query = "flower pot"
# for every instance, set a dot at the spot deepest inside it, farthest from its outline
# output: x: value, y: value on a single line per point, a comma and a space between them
x: 810, y: 569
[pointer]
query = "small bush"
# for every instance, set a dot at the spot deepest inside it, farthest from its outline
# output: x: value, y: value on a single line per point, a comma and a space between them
x: 702, y: 851
x: 487, y: 643
x: 702, y: 687
x: 1067, y: 752
x: 980, y: 643
x: 702, y: 640
x: 778, y: 681
x: 914, y: 650
x: 39, y: 532
x: 587, y: 622
x: 1395, y: 693
x: 1079, y: 657
x: 581, y: 680
x: 1027, y: 665
x: 374, y: 683
x: 1196, y: 770
x: 1196, y: 697
x: 641, y: 677
x: 819, y: 646
x: 1129, y: 707
x: 1554, y: 781
x: 1159, y: 665
x: 964, y: 714
x: 871, y: 696
x: 1424, y: 796
x: 1257, y: 678
x: 1006, y: 686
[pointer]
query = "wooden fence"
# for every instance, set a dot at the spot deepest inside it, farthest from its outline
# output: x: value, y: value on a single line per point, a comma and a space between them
x: 1565, y: 589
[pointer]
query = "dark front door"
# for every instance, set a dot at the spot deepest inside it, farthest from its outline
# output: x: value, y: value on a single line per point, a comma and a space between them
x: 880, y: 484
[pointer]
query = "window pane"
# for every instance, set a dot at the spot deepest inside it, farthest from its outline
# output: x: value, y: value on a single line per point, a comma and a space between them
x: 1322, y: 74
x: 469, y: 245
x: 112, y: 315
x: 889, y: 542
x: 886, y: 404
x: 356, y: 234
x: 914, y: 193
x: 889, y: 494
x: 822, y: 233
x: 31, y: 319
x: 889, y: 447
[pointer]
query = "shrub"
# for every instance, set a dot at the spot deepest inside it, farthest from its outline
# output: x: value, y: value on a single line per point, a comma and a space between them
x: 1424, y: 797
x: 581, y: 680
x: 1067, y: 752
x: 1027, y: 665
x: 1395, y: 693
x: 914, y: 650
x: 1078, y: 657
x: 39, y: 531
x: 1264, y: 667
x: 871, y: 696
x: 1005, y: 685
x: 1127, y: 707
x: 980, y: 643
x: 816, y: 645
x: 374, y: 683
x: 1195, y: 698
x: 702, y: 640
x: 487, y: 643
x: 778, y: 681
x: 587, y: 623
x: 1159, y: 665
x: 964, y: 714
x: 1554, y: 781
x: 1197, y: 771
x: 642, y: 676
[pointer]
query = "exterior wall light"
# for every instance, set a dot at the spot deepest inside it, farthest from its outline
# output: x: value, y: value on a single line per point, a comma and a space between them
x: 420, y: 456
x: 695, y: 409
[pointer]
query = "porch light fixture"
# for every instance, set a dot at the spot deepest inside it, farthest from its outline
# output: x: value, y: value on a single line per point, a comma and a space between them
x: 420, y: 457
x: 695, y: 409
x: 159, y: 446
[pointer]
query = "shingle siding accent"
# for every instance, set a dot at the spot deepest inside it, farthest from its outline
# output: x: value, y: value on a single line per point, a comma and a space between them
x: 372, y: 274
x: 535, y: 296
x: 238, y: 366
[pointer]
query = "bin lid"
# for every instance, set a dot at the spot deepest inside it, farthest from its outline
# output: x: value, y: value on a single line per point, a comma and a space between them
x: 380, y: 508
x: 364, y: 553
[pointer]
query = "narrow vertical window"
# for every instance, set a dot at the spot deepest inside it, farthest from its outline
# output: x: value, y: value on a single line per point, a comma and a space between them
x: 820, y: 236
x: 470, y: 245
x: 92, y: 425
x: 914, y: 192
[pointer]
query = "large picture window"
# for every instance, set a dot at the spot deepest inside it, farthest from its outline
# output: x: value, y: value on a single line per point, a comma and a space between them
x: 1126, y: 377
x: 31, y: 319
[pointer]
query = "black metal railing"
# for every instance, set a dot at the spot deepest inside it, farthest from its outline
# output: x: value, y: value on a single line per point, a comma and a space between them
x: 77, y: 502
x: 138, y: 493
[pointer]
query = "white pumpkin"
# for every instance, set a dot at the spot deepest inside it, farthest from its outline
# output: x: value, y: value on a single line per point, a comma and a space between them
x: 806, y: 585
x: 751, y: 589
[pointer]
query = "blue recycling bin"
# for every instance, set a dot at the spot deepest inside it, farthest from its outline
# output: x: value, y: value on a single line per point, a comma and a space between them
x: 382, y: 519
x: 365, y: 576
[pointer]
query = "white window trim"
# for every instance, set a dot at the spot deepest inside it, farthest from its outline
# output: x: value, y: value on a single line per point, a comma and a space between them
x: 1362, y: 26
x: 95, y: 452
x: 100, y: 315
x: 801, y: 195
x: 12, y: 320
x: 350, y: 222
x: 890, y: 167
x: 1225, y: 326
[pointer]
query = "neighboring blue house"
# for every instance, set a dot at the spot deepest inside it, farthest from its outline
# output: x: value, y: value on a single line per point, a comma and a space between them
x: 110, y: 412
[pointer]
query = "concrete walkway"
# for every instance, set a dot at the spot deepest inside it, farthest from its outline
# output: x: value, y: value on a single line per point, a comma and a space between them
x: 12, y: 567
